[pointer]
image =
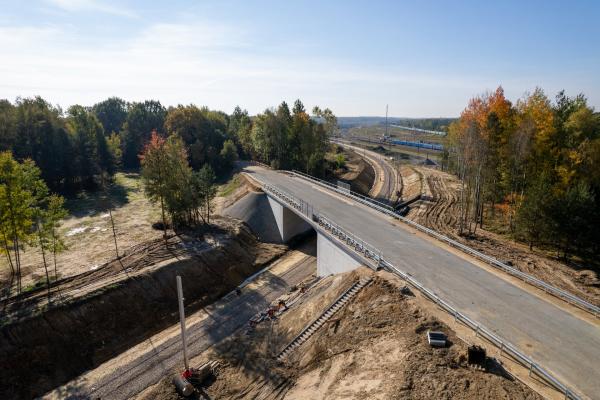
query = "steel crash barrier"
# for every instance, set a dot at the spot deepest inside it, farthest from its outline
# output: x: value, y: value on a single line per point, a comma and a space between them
x: 569, y: 297
x: 356, y: 196
x: 373, y: 254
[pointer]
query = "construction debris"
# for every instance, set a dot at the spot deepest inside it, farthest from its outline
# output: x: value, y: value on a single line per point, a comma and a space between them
x: 372, y: 348
x: 309, y: 330
x: 476, y: 355
x: 183, y: 386
x: 436, y: 339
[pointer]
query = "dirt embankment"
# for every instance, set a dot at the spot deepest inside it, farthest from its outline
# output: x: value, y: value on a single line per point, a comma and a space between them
x: 375, y: 347
x: 45, y: 349
x: 359, y: 173
x: 442, y: 214
x: 411, y: 182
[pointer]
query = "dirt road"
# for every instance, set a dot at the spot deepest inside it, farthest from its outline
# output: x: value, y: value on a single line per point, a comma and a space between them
x: 145, y: 364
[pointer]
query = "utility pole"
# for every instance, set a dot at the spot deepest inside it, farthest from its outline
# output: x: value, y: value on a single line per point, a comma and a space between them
x: 182, y: 322
x: 386, y: 120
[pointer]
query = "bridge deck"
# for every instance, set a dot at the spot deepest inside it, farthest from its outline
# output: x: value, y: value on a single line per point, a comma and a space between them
x: 559, y: 341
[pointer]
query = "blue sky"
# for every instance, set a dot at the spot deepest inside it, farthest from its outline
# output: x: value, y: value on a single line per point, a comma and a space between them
x: 424, y: 58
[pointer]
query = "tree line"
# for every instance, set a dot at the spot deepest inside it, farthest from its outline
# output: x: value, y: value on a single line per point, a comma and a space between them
x: 285, y: 139
x: 29, y: 215
x: 83, y: 146
x: 535, y: 163
x: 181, y: 151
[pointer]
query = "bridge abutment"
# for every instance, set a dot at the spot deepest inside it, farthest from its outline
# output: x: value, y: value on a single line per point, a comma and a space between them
x: 289, y: 224
x: 331, y: 259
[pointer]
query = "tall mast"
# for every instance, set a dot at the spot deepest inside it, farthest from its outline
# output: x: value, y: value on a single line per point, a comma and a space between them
x: 386, y: 120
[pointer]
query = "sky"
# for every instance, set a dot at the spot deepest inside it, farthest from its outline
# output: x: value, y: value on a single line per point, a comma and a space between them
x: 423, y: 58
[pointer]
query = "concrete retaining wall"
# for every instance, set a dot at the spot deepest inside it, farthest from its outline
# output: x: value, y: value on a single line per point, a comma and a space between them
x: 331, y: 259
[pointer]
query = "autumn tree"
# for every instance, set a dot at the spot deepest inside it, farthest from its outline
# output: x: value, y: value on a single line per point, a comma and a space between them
x: 184, y: 195
x: 537, y: 161
x: 155, y: 174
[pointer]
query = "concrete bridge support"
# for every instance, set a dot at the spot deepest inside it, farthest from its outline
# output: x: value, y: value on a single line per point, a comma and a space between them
x: 289, y: 224
x: 331, y: 259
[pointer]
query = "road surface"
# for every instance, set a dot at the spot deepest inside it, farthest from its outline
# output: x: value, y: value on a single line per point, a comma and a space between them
x: 564, y: 344
x: 145, y: 364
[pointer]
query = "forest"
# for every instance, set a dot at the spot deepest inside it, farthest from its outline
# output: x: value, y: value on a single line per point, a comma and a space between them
x: 532, y: 167
x: 46, y: 152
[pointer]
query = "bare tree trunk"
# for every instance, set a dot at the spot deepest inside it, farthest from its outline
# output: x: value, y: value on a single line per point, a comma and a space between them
x: 10, y: 262
x: 41, y: 241
x: 17, y: 261
x: 112, y: 224
x: 164, y: 221
x: 208, y: 209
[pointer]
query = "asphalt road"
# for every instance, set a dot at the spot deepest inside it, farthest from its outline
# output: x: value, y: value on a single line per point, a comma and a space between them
x: 562, y: 343
x: 145, y: 368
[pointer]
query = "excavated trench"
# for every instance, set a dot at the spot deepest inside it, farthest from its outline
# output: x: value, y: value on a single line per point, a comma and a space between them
x: 46, y: 349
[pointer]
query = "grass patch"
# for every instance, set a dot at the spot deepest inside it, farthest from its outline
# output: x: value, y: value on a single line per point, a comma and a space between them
x: 40, y: 283
x: 125, y: 188
x: 231, y: 186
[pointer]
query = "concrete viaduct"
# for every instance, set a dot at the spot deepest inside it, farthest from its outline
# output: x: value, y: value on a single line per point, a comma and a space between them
x: 564, y: 342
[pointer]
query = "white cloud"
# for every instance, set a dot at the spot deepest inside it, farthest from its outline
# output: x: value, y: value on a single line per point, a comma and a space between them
x: 92, y: 5
x: 212, y: 64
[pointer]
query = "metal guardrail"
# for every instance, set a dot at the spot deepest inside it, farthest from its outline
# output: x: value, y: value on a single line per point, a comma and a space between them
x: 356, y: 196
x: 371, y: 252
x: 360, y: 246
x: 299, y: 205
x: 480, y: 330
x: 357, y: 244
x: 569, y: 297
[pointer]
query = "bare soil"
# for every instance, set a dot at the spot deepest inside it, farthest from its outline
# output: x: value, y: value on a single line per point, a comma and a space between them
x: 411, y: 182
x: 358, y: 172
x: 441, y: 213
x: 98, y: 314
x: 374, y: 347
x: 88, y: 234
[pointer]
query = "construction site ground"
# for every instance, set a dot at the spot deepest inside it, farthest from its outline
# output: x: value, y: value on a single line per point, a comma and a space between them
x: 133, y: 371
x: 99, y: 312
x: 375, y: 347
x: 357, y: 170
